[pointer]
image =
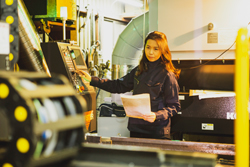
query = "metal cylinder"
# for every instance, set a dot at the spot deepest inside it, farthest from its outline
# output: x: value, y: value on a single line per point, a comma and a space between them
x: 115, y: 71
x: 123, y: 70
x: 64, y: 29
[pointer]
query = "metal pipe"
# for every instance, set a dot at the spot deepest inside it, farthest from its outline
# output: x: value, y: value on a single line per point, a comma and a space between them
x: 242, y: 96
x: 86, y: 28
x: 78, y: 23
x: 100, y: 23
x: 115, y: 71
x: 92, y: 25
x: 64, y: 29
x: 89, y: 30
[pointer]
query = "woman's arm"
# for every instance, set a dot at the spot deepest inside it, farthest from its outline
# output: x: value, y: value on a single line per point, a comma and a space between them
x: 121, y: 85
x: 171, y: 98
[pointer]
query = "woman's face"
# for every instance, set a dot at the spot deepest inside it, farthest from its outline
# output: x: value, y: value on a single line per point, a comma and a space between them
x: 152, y: 50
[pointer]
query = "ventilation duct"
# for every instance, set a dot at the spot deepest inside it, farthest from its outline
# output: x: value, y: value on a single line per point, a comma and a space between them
x: 129, y: 45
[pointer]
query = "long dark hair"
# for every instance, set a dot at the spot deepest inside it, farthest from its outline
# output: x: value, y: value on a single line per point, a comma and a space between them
x: 162, y: 42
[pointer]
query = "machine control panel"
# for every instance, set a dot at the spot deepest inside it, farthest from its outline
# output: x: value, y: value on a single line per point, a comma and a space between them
x: 66, y: 59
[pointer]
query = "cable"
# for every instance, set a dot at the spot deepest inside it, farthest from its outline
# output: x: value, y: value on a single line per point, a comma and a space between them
x: 209, y: 60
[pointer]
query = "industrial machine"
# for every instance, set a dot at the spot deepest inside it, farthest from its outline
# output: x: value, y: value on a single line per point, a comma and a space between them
x: 41, y: 119
x: 65, y: 59
x: 207, y: 98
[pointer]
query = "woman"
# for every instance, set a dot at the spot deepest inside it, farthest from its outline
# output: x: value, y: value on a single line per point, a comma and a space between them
x: 155, y: 75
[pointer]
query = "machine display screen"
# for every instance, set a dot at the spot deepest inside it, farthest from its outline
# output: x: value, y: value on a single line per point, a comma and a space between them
x: 78, y: 57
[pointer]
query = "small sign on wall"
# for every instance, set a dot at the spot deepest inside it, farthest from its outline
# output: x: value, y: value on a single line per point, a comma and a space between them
x: 212, y: 37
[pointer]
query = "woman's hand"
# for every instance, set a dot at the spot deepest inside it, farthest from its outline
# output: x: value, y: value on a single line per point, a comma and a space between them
x: 84, y: 75
x: 149, y: 117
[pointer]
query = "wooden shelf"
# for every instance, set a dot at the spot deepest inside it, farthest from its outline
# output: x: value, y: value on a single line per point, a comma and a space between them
x: 54, y: 24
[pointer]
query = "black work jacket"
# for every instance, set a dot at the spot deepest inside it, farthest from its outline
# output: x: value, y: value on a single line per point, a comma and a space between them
x: 163, y: 89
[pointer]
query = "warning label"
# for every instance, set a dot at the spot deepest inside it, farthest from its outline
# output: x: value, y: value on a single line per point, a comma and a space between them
x: 207, y: 126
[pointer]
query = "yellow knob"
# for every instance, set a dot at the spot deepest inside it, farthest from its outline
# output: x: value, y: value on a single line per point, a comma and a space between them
x: 9, y: 2
x: 7, y: 165
x: 10, y: 19
x: 4, y: 91
x: 11, y: 38
x: 11, y: 56
x: 20, y: 113
x: 23, y: 145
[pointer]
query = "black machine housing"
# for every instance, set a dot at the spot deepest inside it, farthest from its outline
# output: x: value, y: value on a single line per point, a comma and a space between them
x: 196, y: 114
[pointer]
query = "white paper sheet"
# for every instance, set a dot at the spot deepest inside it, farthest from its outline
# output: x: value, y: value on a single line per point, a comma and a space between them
x: 136, y: 105
x: 204, y: 94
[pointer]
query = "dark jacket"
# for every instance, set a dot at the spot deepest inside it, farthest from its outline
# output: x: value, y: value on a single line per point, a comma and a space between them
x: 163, y: 89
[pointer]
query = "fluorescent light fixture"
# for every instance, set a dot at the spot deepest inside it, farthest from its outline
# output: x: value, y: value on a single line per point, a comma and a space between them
x: 132, y: 3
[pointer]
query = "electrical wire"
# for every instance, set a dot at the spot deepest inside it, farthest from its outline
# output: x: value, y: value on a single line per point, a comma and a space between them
x: 209, y: 60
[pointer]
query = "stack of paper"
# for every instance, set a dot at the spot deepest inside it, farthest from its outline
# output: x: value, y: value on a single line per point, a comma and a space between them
x: 136, y: 105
